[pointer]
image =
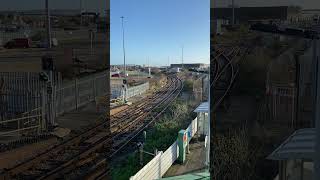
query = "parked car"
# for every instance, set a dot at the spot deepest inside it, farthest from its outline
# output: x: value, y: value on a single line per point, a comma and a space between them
x: 115, y: 75
x: 18, y: 43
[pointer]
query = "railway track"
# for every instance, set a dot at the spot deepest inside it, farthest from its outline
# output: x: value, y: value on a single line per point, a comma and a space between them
x: 145, y: 115
x: 226, y: 68
x: 84, y: 156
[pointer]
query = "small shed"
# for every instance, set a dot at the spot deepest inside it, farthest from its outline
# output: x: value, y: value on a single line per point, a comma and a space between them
x: 203, y: 118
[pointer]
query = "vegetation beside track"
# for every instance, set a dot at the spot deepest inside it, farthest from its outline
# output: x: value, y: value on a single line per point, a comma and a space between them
x: 188, y: 85
x: 178, y: 116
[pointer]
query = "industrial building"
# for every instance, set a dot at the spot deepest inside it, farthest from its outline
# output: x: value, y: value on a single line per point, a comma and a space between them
x: 188, y: 66
x: 247, y: 14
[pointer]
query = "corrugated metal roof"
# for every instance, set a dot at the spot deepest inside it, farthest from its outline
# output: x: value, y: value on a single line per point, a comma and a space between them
x: 300, y: 145
x: 203, y: 107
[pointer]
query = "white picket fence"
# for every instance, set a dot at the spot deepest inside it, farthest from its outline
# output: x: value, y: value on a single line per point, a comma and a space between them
x: 160, y: 164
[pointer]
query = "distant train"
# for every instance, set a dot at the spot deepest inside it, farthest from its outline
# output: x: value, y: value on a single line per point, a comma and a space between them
x: 273, y: 28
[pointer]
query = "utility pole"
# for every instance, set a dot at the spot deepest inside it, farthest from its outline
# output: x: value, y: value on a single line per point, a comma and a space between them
x: 48, y: 58
x: 149, y: 67
x: 48, y: 24
x: 124, y: 53
x: 80, y: 12
x: 124, y: 65
x: 182, y: 56
x: 211, y: 124
x: 233, y: 12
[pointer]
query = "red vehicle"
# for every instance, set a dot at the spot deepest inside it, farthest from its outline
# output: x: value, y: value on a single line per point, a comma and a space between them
x: 18, y: 43
x: 115, y: 75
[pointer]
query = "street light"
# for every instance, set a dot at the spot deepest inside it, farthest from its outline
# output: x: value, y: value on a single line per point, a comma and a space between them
x: 80, y: 13
x: 182, y: 56
x: 124, y: 64
x: 48, y: 24
x: 124, y: 53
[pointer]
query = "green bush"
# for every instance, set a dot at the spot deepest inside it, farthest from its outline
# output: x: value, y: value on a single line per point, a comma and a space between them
x: 188, y: 86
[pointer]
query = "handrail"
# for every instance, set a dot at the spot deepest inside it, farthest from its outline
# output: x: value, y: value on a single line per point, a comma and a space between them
x: 18, y: 119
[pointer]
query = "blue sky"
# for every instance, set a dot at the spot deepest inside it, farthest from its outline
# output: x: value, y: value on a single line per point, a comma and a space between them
x: 158, y: 29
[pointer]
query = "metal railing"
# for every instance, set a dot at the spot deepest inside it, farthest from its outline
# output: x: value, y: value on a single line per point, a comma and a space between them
x: 29, y: 122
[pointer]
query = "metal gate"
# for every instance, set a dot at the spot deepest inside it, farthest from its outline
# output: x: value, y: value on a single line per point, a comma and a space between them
x: 22, y: 102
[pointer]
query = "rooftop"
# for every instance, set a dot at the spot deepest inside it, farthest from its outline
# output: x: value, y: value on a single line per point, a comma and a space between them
x: 300, y: 145
x: 203, y: 107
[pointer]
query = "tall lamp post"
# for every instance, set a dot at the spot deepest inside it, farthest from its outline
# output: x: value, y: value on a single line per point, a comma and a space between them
x: 182, y: 56
x: 48, y: 24
x: 233, y: 20
x: 124, y: 65
x: 80, y: 12
x: 47, y: 59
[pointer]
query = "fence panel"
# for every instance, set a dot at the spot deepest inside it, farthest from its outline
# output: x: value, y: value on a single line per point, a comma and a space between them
x: 192, y: 129
x: 66, y: 99
x: 169, y: 157
x: 149, y: 171
x: 79, y: 92
x: 160, y: 164
x: 19, y: 92
x: 137, y: 90
x: 116, y: 90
